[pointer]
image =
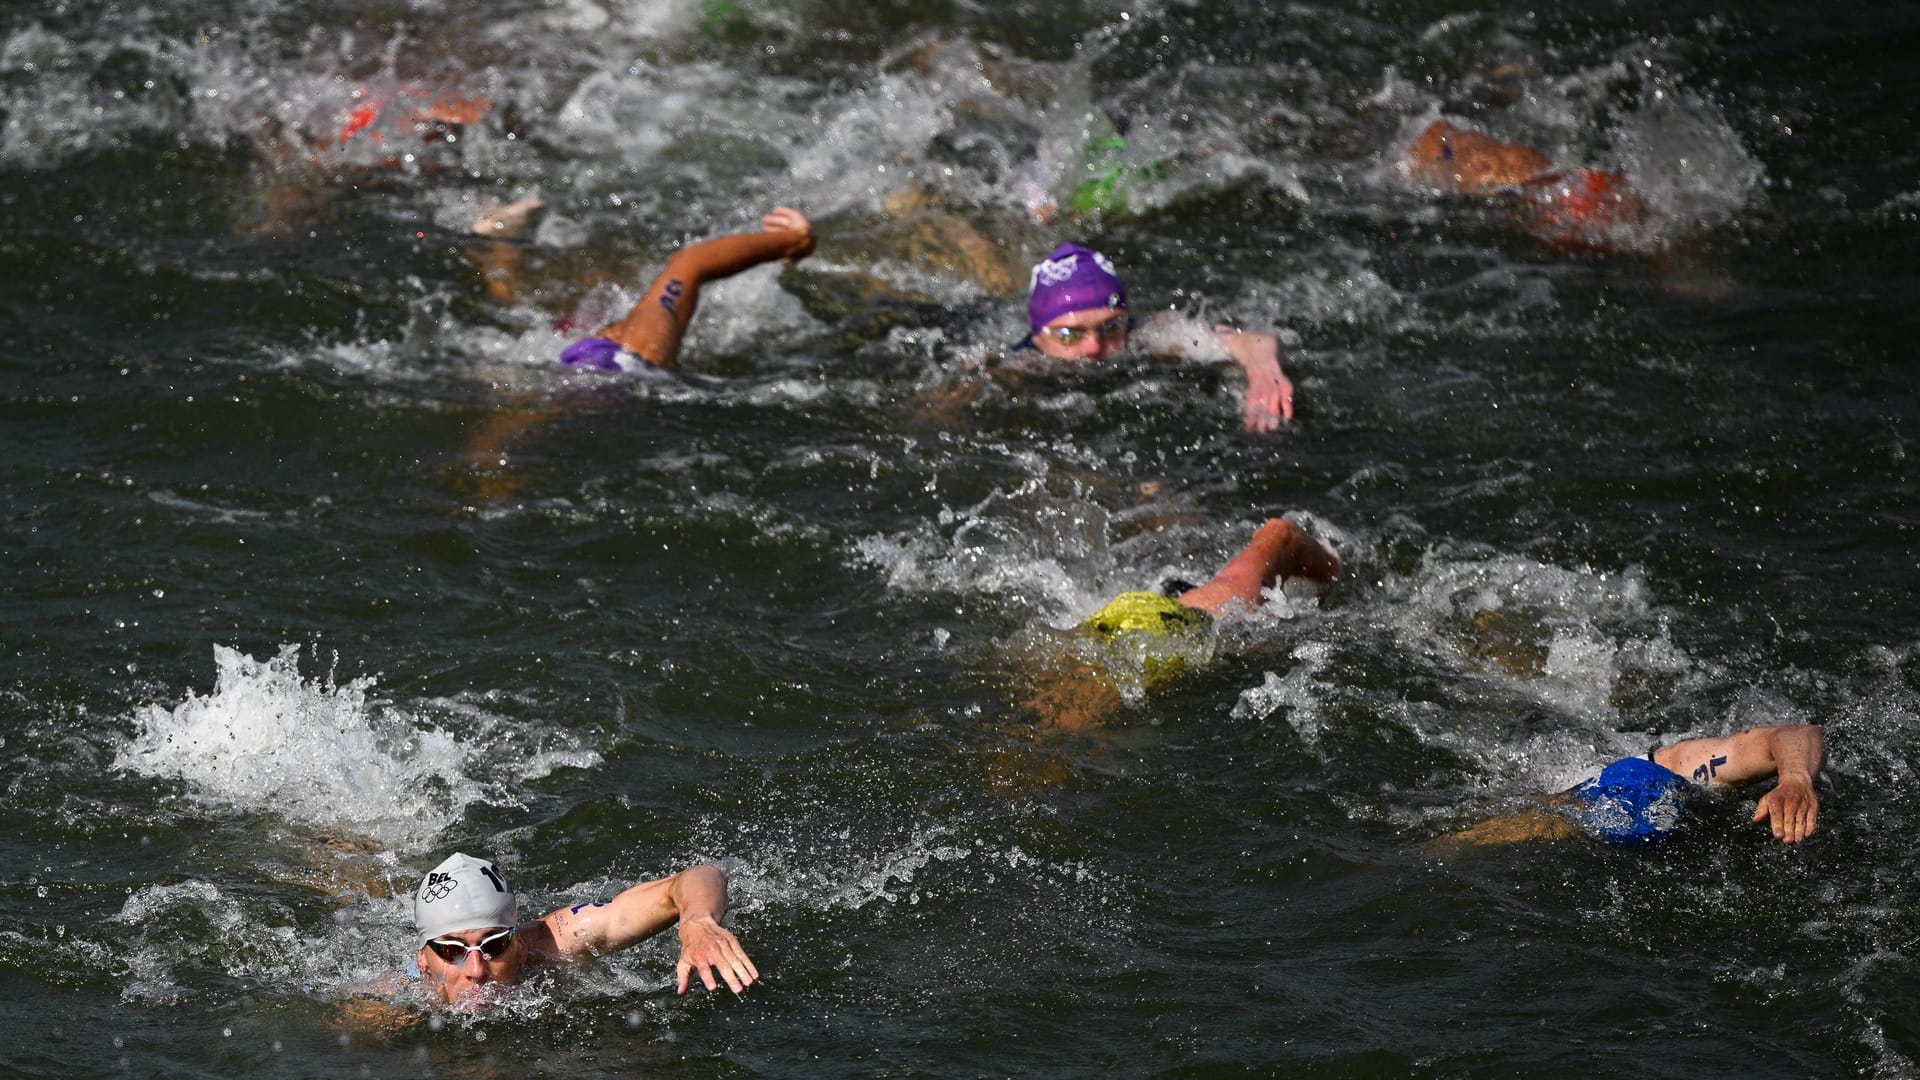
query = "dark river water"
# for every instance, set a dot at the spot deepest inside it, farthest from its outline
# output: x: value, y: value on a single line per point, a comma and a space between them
x: 318, y: 568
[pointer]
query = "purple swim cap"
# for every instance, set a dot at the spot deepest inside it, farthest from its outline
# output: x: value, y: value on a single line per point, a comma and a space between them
x: 597, y: 353
x: 1072, y: 278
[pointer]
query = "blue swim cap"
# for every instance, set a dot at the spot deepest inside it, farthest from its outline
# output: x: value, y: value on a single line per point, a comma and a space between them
x: 1632, y: 801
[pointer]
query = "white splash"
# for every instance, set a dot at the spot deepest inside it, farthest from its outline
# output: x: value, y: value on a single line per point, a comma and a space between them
x: 310, y: 751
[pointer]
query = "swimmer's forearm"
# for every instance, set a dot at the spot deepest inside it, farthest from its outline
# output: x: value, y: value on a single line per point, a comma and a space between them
x: 1799, y: 751
x: 700, y: 892
x: 724, y: 256
x: 1252, y: 350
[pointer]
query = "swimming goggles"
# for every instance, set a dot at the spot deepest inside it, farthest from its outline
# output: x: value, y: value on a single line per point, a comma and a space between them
x: 1070, y: 336
x: 491, y: 947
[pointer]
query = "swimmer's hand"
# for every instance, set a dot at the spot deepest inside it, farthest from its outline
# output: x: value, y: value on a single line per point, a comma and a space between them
x: 364, y: 1014
x: 1791, y: 808
x: 1268, y: 402
x: 787, y: 219
x: 707, y: 947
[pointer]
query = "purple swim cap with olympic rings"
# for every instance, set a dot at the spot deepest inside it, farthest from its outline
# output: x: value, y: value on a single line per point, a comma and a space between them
x: 1072, y: 278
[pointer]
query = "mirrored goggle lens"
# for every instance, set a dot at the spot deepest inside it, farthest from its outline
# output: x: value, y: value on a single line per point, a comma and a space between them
x: 493, y: 947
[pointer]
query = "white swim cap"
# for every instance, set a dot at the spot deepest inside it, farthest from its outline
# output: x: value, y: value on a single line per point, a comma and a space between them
x: 463, y: 893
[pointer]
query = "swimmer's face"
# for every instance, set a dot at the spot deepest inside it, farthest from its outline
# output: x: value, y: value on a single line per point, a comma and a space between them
x: 473, y: 975
x: 1088, y: 334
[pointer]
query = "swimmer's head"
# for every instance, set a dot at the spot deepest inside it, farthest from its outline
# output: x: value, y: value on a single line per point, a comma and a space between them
x: 1077, y: 305
x: 1633, y: 801
x: 1580, y: 208
x: 462, y: 893
x: 470, y: 944
x: 1072, y: 278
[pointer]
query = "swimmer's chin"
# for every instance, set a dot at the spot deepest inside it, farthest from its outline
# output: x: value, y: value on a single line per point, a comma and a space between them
x: 480, y: 1000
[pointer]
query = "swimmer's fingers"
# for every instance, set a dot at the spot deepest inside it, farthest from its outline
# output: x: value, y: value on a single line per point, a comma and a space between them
x: 1791, y: 809
x: 1286, y: 399
x: 733, y: 964
x: 1269, y: 402
x: 1259, y: 415
x: 711, y: 950
x: 787, y: 219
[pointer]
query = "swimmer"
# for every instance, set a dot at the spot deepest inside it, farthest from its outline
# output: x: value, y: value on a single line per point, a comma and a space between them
x: 1570, y: 208
x: 473, y: 945
x: 1642, y: 800
x: 1077, y: 309
x: 431, y: 116
x: 413, y: 128
x: 1074, y: 696
x: 649, y: 335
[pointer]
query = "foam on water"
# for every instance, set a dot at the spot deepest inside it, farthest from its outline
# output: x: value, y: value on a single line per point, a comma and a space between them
x: 869, y: 146
x: 1687, y: 160
x: 1298, y: 692
x: 1563, y: 636
x: 931, y: 863
x: 618, y: 23
x: 317, y: 753
x: 1027, y: 546
x: 77, y: 96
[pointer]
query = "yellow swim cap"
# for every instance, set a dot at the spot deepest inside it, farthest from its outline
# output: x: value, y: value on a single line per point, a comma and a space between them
x: 1155, y: 636
x: 1143, y: 613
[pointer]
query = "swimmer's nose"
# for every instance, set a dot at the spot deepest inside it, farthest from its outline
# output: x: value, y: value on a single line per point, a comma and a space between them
x: 473, y: 967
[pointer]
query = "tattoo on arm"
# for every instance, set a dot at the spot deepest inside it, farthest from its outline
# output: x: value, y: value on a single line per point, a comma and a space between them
x: 1711, y: 769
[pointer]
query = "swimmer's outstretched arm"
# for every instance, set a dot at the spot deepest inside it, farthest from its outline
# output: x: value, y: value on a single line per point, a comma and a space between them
x: 1268, y: 402
x: 655, y: 325
x: 696, y: 898
x: 1793, y: 752
x: 1279, y: 549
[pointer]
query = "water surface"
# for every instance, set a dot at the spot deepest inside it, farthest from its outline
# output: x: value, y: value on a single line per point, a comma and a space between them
x: 282, y: 627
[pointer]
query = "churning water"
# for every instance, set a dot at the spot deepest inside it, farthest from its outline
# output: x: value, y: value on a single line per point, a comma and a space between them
x: 318, y: 567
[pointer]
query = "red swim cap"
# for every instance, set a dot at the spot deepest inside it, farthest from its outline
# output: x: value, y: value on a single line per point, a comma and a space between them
x: 1579, y: 207
x: 360, y: 117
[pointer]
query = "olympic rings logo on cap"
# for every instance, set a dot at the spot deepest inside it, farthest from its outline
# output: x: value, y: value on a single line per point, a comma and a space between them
x: 436, y: 887
x: 1055, y: 271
